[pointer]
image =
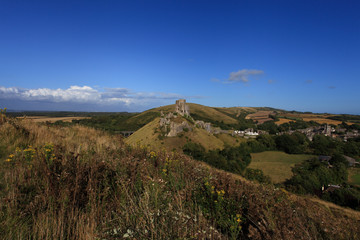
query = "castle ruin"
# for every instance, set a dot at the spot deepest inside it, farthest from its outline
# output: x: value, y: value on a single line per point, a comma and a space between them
x: 181, y: 107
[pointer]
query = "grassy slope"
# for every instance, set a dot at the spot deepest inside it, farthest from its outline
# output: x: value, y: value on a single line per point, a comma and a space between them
x: 148, y: 136
x: 276, y: 164
x: 211, y: 113
x: 94, y: 186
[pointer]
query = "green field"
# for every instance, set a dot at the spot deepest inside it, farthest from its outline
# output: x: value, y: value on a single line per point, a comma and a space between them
x: 276, y: 164
x: 354, y: 176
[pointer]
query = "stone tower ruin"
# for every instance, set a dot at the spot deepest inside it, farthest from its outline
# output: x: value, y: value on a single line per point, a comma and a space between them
x: 181, y: 107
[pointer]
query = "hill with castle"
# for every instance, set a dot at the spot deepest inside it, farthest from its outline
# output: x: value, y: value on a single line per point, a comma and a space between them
x: 172, y: 126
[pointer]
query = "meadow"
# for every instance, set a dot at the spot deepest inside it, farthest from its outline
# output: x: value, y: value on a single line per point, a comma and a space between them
x: 276, y: 164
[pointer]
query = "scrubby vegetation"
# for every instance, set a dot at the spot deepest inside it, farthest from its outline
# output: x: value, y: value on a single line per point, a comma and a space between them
x: 314, y: 177
x: 79, y: 183
x: 346, y: 117
x: 119, y: 122
x: 308, y: 177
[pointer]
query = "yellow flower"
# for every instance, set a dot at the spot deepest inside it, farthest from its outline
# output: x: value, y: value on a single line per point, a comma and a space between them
x: 238, y: 220
x: 8, y: 160
x: 164, y: 170
x: 152, y: 154
x: 11, y: 155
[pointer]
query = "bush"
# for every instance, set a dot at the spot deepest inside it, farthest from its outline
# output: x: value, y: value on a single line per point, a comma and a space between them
x: 257, y: 175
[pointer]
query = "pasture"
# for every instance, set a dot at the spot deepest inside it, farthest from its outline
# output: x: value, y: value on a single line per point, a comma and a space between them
x: 319, y: 118
x: 276, y: 164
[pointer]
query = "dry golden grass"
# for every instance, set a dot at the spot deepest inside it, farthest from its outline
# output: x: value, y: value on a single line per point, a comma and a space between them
x: 96, y: 187
x: 283, y: 120
x: 335, y: 208
x: 259, y: 114
x: 207, y: 140
x: 319, y: 118
x: 322, y: 120
x: 146, y: 136
x: 53, y: 119
x: 211, y: 113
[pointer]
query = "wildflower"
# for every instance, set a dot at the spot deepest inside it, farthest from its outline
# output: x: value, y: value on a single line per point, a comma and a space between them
x: 164, y: 170
x: 220, y: 192
x: 152, y: 154
x: 11, y: 155
x: 8, y: 160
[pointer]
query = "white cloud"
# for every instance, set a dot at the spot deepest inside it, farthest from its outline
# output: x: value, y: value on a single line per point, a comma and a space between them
x: 243, y: 75
x: 86, y: 95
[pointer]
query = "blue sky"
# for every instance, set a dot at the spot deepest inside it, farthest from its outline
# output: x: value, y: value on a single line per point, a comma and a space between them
x: 135, y: 55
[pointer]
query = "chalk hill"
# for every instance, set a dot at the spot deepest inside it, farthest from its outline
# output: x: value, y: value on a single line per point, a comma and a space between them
x: 154, y: 136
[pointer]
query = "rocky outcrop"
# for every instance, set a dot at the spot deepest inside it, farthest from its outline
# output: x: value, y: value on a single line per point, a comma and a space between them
x: 204, y: 125
x: 176, y: 128
x: 171, y: 124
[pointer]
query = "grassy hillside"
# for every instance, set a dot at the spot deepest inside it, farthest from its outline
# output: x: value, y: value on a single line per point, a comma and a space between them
x: 80, y: 183
x: 275, y: 164
x: 203, y: 112
x: 149, y: 136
